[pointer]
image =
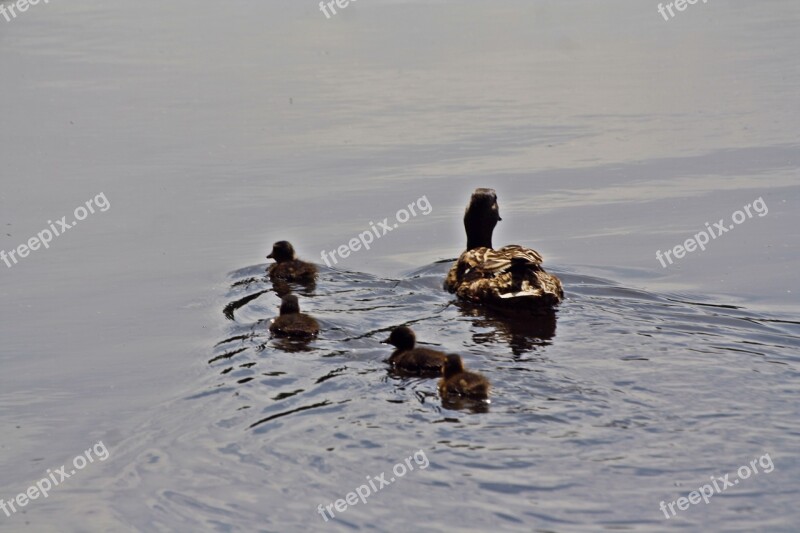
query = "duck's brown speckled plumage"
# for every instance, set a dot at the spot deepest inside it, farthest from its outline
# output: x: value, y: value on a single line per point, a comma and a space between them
x: 507, y: 278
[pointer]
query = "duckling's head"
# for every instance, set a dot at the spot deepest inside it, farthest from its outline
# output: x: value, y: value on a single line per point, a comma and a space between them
x: 402, y: 338
x: 453, y: 365
x: 481, y: 217
x: 282, y: 251
x: 289, y: 305
x: 520, y: 265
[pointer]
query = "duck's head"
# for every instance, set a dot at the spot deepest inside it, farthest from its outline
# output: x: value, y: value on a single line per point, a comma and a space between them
x: 453, y: 365
x: 282, y: 251
x: 289, y: 305
x: 402, y: 338
x: 481, y: 217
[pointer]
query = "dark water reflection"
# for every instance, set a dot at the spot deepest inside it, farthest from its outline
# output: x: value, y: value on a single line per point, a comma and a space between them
x: 619, y: 400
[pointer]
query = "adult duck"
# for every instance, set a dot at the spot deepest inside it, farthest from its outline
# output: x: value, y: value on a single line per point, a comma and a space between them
x: 508, y: 278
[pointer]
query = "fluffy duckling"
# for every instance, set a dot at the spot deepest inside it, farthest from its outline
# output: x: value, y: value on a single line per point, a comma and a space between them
x: 459, y: 382
x: 287, y: 266
x: 507, y: 278
x: 293, y: 323
x: 411, y: 360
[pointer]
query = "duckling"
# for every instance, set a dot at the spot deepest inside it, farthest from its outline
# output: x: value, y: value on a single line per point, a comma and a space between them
x: 511, y: 277
x: 293, y: 323
x: 287, y: 266
x: 459, y: 382
x: 410, y: 360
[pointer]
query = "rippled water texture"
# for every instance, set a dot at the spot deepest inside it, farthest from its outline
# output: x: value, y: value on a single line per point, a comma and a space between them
x: 587, y: 412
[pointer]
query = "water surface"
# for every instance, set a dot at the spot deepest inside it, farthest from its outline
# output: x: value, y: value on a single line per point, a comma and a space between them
x: 214, y: 131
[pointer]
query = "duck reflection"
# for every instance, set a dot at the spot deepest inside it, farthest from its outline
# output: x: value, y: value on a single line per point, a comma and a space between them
x: 522, y: 332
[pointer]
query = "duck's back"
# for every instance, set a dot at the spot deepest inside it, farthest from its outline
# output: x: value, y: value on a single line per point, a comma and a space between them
x: 294, y: 270
x: 295, y: 325
x: 484, y: 276
x: 465, y: 384
x: 419, y: 361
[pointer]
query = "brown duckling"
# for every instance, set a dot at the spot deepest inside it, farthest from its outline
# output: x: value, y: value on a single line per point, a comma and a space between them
x: 411, y: 360
x: 293, y: 323
x: 458, y: 382
x: 287, y: 266
x: 510, y: 278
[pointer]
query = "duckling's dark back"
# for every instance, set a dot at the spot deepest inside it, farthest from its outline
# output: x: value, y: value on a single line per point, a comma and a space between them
x: 409, y: 359
x: 459, y: 382
x: 294, y: 270
x: 418, y: 361
x: 293, y: 323
x: 287, y: 266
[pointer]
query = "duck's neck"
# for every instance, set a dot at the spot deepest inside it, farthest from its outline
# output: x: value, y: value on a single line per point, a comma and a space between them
x: 479, y: 225
x: 478, y: 235
x: 479, y: 243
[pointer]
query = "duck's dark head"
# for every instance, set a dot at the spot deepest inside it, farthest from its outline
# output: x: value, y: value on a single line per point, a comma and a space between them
x: 453, y: 365
x: 481, y: 217
x: 282, y: 251
x: 402, y: 338
x: 289, y: 305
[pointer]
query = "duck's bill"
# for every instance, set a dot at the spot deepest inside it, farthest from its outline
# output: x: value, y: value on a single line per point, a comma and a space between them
x: 270, y: 256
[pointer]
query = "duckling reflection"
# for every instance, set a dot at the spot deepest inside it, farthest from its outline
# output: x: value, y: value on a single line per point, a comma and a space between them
x: 523, y: 333
x: 460, y: 403
x: 282, y: 287
x: 288, y: 267
x: 291, y: 322
x: 408, y: 360
x: 293, y: 344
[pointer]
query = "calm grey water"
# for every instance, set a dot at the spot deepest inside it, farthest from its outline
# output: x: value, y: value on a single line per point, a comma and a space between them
x: 216, y: 129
